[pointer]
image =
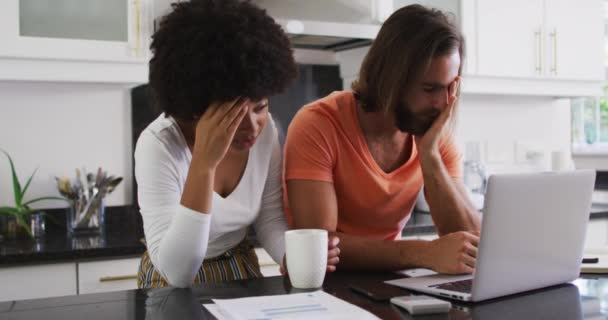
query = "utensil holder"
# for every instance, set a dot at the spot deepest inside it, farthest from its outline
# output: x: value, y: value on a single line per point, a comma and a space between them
x: 86, y: 218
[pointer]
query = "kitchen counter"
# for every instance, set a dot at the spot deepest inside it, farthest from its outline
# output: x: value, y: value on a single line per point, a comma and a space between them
x: 124, y: 238
x: 581, y: 299
x: 422, y: 223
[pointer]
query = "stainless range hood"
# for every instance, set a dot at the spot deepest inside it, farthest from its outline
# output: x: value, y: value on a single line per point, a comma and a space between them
x: 302, y: 41
x: 331, y: 25
x: 332, y: 36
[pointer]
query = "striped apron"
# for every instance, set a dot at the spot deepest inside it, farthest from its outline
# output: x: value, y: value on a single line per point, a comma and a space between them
x: 237, y: 263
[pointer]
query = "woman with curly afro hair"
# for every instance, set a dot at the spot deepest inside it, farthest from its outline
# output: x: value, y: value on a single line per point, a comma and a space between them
x: 209, y: 167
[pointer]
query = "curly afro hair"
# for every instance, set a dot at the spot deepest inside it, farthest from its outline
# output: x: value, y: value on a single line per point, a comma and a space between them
x: 217, y: 50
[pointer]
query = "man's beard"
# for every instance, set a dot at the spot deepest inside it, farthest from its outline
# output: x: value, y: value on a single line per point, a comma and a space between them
x: 416, y: 124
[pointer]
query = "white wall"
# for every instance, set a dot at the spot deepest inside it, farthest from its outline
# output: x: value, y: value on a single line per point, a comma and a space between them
x: 59, y: 127
x: 508, y: 127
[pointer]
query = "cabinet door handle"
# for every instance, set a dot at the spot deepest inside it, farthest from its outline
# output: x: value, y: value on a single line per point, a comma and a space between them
x: 268, y: 264
x: 553, y: 35
x: 135, y: 29
x: 118, y: 278
x: 539, y: 52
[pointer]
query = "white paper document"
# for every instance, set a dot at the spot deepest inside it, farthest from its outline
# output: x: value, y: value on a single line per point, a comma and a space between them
x: 217, y: 311
x: 309, y: 305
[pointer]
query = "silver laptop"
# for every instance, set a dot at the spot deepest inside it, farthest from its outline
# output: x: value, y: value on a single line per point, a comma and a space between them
x: 532, y: 236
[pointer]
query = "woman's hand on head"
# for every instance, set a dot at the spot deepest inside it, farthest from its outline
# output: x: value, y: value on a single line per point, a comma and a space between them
x: 215, y: 131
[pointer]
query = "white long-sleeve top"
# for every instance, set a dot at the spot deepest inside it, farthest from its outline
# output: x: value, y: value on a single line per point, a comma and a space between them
x: 178, y: 238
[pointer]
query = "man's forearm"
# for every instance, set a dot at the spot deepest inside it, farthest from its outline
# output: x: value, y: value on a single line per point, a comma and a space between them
x: 362, y: 253
x: 451, y: 209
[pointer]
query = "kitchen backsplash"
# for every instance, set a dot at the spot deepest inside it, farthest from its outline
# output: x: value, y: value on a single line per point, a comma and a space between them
x: 515, y: 134
x: 57, y: 127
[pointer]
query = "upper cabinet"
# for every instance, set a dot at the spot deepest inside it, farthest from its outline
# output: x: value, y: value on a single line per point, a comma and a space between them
x: 574, y: 39
x: 509, y: 38
x: 75, y: 40
x: 517, y: 47
x: 520, y: 47
x: 530, y: 47
x: 540, y: 39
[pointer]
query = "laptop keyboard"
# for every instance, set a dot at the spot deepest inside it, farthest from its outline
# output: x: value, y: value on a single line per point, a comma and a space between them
x: 463, y: 286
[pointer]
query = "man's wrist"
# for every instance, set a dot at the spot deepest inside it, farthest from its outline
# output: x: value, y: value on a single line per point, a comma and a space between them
x: 415, y: 253
x: 430, y: 160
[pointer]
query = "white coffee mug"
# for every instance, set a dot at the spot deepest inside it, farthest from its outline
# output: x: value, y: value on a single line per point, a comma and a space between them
x: 561, y: 160
x: 306, y: 251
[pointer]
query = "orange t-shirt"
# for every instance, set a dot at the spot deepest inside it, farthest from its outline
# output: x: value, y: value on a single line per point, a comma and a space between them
x: 325, y: 143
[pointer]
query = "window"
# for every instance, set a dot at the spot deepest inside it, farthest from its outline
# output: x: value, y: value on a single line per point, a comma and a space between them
x: 590, y: 115
x: 590, y: 124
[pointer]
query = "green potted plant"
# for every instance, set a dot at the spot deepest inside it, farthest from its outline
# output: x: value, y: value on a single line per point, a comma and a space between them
x: 21, y: 212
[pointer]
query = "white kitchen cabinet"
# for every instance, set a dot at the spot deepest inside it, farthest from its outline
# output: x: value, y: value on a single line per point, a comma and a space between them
x: 41, y: 281
x: 107, y: 275
x: 597, y: 235
x: 268, y: 267
x: 528, y: 47
x: 63, y: 279
x: 574, y: 38
x: 547, y: 39
x: 75, y: 40
x: 509, y: 37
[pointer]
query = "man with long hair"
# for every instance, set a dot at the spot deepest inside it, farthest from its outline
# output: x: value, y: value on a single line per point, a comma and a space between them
x: 355, y: 161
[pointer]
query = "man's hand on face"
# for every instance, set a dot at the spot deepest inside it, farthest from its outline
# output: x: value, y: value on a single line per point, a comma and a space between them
x: 428, y: 144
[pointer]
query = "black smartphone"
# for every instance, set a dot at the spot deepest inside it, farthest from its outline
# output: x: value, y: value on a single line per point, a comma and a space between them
x: 378, y: 292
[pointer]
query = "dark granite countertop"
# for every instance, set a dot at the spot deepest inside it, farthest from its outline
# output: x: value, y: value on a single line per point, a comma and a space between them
x: 419, y: 223
x: 599, y: 211
x: 122, y: 239
x: 582, y: 299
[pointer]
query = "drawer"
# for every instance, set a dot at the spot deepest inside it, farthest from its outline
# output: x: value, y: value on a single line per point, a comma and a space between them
x: 107, y: 275
x: 268, y: 267
x: 270, y: 271
x: 597, y: 234
x: 33, y: 282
